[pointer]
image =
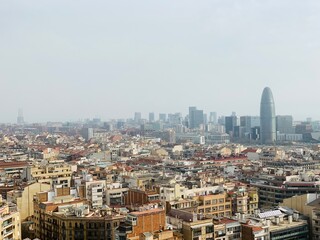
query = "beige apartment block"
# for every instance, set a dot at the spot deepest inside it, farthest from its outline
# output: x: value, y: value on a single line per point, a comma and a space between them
x: 68, y: 218
x: 253, y: 201
x: 24, y: 198
x: 308, y: 205
x: 10, y: 227
x: 219, y: 231
x: 54, y: 174
x: 217, y: 205
x: 171, y: 192
x: 200, y: 229
x: 304, y: 203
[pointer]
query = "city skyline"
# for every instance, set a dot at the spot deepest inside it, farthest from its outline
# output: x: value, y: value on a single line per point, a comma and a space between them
x: 149, y: 120
x: 62, y: 61
x: 157, y: 116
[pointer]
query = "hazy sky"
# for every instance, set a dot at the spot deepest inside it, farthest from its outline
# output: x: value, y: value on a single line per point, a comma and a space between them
x: 70, y: 60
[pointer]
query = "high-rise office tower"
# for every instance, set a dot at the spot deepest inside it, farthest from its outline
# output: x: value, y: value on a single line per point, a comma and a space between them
x: 151, y: 117
x: 267, y: 117
x: 284, y: 124
x: 195, y: 118
x: 213, y: 117
x: 137, y: 117
x: 175, y: 118
x: 87, y: 133
x: 230, y: 123
x: 20, y: 119
x: 249, y: 122
x: 162, y: 117
x: 222, y: 120
x: 205, y: 118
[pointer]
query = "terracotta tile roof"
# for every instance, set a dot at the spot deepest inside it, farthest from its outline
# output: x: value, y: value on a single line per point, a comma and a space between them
x: 14, y: 164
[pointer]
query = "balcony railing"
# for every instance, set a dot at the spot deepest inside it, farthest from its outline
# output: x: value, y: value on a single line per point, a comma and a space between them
x: 6, y: 224
x: 5, y: 233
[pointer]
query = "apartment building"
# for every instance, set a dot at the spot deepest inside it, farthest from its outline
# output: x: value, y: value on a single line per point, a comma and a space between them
x: 199, y: 228
x: 171, y: 192
x: 275, y: 224
x: 115, y: 196
x: 253, y: 200
x: 217, y: 205
x: 316, y: 223
x: 274, y: 190
x: 193, y: 226
x: 66, y: 217
x: 141, y: 197
x: 95, y: 193
x: 75, y: 221
x: 245, y: 201
x: 181, y: 204
x: 10, y: 227
x: 53, y: 174
x: 23, y: 198
x: 146, y: 220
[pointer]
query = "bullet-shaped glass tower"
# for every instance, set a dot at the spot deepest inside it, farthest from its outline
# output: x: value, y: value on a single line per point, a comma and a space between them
x: 267, y: 117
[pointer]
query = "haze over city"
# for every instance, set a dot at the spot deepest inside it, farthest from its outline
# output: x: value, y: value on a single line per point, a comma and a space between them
x: 67, y: 60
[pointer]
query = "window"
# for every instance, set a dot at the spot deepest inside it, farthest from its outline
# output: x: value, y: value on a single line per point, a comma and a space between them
x: 197, y: 232
x: 209, y: 229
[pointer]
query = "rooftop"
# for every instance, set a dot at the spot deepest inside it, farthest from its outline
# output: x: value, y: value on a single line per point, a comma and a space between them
x: 146, y: 212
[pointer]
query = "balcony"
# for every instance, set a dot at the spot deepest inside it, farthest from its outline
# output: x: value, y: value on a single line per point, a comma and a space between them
x: 6, y: 224
x: 6, y: 233
x: 115, y: 195
x: 220, y: 234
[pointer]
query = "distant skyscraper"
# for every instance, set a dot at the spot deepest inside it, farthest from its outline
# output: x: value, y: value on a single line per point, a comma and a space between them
x: 205, y: 118
x: 284, y: 124
x: 230, y: 123
x: 137, y: 117
x: 175, y: 118
x: 222, y: 120
x: 20, y: 119
x: 249, y: 122
x: 195, y: 118
x: 87, y: 133
x: 213, y: 117
x: 267, y: 117
x: 162, y: 117
x: 151, y: 117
